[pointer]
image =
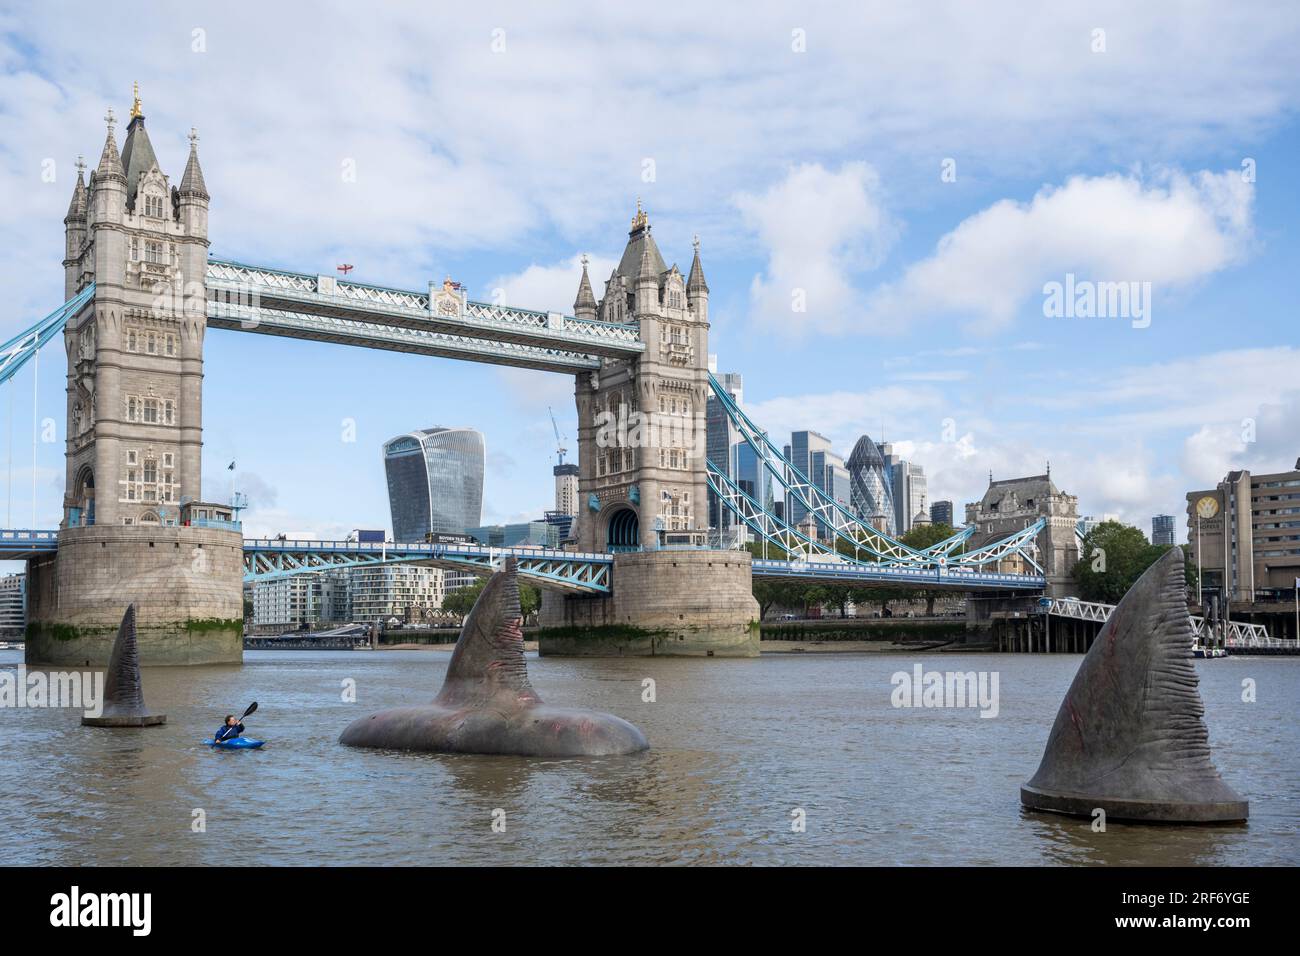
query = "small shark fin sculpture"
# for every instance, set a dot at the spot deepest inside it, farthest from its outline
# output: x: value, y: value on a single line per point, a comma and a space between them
x: 123, y: 689
x: 1129, y: 737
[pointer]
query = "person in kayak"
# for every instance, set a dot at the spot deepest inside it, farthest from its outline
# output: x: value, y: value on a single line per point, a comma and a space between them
x: 230, y: 729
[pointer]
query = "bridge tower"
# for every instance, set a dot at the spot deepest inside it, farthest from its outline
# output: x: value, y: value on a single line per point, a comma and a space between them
x: 134, y: 425
x: 1013, y: 503
x: 1007, y: 506
x: 642, y: 485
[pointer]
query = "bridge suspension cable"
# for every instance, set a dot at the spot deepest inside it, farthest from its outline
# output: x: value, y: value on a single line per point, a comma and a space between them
x: 23, y: 347
x: 842, y: 523
x: 18, y: 351
x: 798, y: 488
x: 762, y: 522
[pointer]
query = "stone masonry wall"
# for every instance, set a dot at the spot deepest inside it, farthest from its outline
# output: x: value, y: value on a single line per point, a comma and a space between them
x: 682, y: 603
x: 186, y: 584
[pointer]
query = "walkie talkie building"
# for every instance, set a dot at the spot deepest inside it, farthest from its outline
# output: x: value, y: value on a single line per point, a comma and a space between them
x: 435, y: 482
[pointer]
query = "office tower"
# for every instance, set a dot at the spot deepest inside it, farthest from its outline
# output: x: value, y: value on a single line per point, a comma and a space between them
x: 871, y: 495
x: 917, y: 496
x: 566, y: 489
x: 720, y: 435
x: 13, y: 605
x: 803, y: 447
x: 751, y: 475
x: 1245, y: 533
x: 941, y: 512
x: 1162, y: 529
x: 907, y: 482
x: 435, y: 482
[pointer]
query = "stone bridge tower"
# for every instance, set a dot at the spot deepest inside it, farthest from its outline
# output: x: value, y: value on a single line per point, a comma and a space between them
x: 1013, y: 503
x: 642, y: 481
x: 135, y: 426
x: 641, y: 425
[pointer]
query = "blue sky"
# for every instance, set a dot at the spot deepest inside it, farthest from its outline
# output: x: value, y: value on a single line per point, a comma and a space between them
x: 497, y: 144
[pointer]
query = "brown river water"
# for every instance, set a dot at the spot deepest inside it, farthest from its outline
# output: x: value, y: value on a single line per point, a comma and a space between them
x: 737, y: 746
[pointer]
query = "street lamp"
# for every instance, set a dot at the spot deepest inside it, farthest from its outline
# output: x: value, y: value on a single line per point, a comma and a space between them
x: 1198, y: 559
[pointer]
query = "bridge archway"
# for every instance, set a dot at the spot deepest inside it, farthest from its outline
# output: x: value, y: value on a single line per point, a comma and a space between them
x: 83, y: 492
x: 623, y: 531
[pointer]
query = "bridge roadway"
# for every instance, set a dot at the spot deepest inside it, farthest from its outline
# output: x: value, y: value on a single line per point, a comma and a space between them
x: 574, y: 571
x: 443, y: 323
x: 956, y: 579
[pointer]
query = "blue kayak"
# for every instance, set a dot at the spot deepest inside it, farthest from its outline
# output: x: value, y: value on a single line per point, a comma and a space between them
x: 238, y: 743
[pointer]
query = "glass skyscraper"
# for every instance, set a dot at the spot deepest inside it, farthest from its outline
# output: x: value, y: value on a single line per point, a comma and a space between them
x: 871, y: 495
x: 435, y: 482
x: 720, y: 435
x: 751, y: 475
x: 941, y: 512
x: 1162, y: 529
x: 804, y: 445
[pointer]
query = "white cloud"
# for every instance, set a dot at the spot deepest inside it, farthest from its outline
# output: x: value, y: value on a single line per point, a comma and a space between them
x: 461, y: 148
x: 462, y: 153
x: 550, y: 288
x: 1126, y: 477
x: 818, y: 228
x: 270, y: 522
x: 1187, y: 392
x: 1267, y: 440
x: 843, y: 415
x: 1171, y: 231
x: 945, y: 375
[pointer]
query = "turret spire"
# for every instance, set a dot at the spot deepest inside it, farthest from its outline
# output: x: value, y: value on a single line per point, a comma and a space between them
x: 77, y: 208
x: 646, y: 268
x: 192, y: 183
x: 110, y: 163
x: 695, y: 281
x: 584, y: 307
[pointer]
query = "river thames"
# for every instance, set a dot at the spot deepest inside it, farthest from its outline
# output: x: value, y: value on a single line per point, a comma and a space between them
x: 736, y: 747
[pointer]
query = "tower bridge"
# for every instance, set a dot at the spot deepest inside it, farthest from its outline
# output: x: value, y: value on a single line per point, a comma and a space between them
x: 140, y: 294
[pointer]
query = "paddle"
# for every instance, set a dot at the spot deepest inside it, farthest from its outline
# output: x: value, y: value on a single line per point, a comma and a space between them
x: 225, y: 733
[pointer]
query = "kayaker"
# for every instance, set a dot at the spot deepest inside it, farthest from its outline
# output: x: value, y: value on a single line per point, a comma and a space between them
x: 230, y: 729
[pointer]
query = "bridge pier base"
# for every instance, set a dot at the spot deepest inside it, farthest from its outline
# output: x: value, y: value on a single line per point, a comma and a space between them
x: 665, y: 603
x: 186, y: 584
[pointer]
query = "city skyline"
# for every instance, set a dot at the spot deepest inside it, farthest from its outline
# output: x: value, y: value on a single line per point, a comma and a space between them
x: 977, y: 379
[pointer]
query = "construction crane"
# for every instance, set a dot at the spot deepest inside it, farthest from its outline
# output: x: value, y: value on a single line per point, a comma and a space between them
x: 560, y: 450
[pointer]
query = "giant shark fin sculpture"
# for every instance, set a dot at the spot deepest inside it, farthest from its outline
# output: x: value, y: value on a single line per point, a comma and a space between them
x: 1129, y: 737
x: 487, y: 705
x: 123, y: 690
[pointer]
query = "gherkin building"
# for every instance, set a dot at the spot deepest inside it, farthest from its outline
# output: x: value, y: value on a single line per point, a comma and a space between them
x: 870, y: 492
